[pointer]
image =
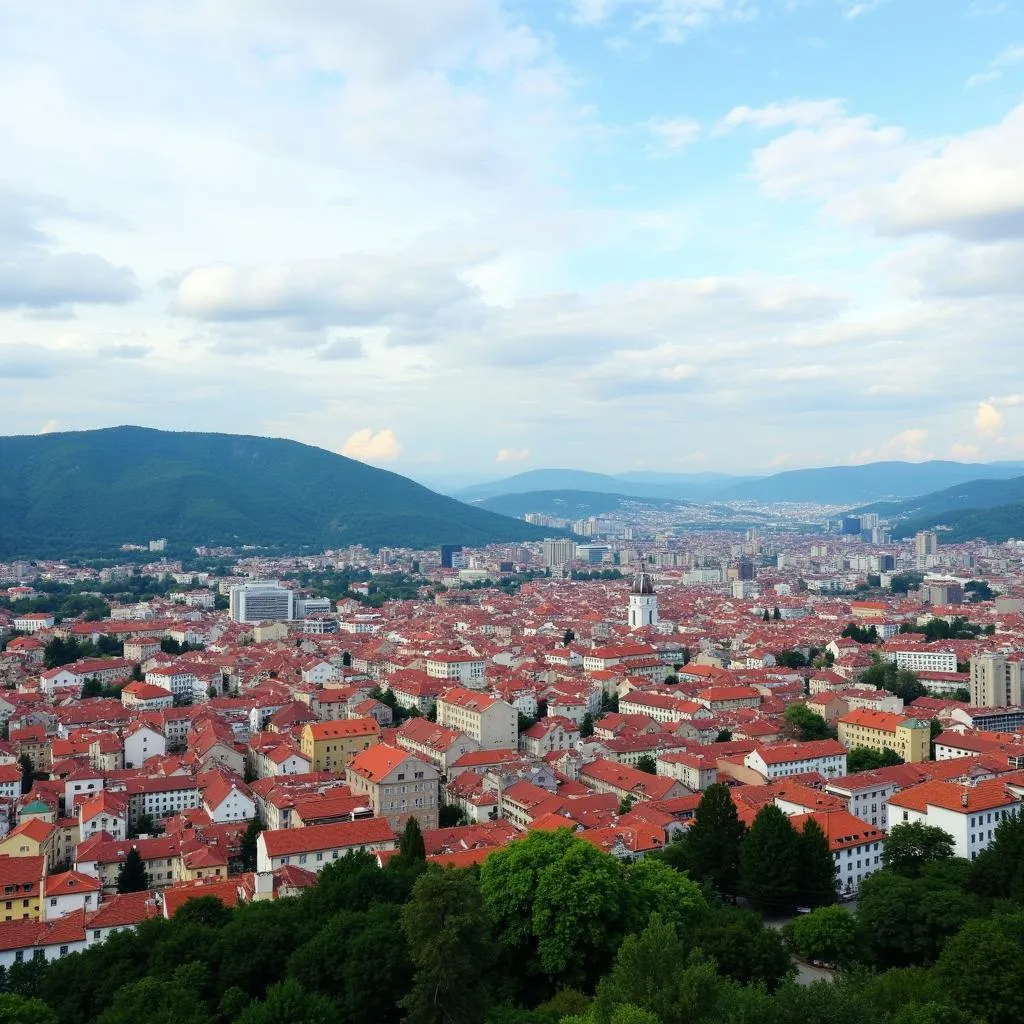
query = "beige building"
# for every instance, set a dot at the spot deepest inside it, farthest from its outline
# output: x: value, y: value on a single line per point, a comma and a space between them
x: 879, y: 730
x: 493, y: 723
x: 396, y: 785
x: 996, y: 681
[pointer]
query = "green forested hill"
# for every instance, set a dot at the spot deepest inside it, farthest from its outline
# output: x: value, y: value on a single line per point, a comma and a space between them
x: 91, y: 491
x: 992, y: 524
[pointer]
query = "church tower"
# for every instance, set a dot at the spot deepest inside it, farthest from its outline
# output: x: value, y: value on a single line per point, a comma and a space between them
x: 643, y: 602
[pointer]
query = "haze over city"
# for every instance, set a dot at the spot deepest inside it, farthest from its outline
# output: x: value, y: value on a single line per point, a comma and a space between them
x: 469, y: 235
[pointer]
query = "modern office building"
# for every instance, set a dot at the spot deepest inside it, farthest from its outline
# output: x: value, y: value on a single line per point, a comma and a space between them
x: 926, y: 543
x: 262, y: 601
x: 448, y: 556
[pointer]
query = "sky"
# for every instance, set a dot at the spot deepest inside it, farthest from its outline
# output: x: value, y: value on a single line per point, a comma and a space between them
x: 484, y: 236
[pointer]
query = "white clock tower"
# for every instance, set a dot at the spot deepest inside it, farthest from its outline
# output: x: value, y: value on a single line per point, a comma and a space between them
x: 643, y: 602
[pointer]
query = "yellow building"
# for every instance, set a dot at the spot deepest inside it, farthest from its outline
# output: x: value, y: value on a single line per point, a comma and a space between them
x: 330, y: 746
x: 879, y: 730
x: 33, y: 838
x: 21, y: 883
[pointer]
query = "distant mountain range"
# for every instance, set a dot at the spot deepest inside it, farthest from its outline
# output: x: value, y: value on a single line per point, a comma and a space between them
x: 548, y: 480
x: 572, y: 504
x: 984, y: 509
x: 88, y: 492
x: 832, y: 485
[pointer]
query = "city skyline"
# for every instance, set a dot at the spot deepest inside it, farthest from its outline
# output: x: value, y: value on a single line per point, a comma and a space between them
x: 613, y: 235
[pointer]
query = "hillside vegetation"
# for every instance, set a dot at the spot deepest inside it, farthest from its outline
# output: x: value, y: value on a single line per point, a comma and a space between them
x: 91, y: 491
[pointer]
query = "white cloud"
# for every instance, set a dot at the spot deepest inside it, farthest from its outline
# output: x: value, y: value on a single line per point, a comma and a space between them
x: 792, y: 113
x: 367, y: 446
x: 831, y: 158
x: 811, y: 372
x: 858, y: 8
x: 1013, y: 54
x: 972, y: 188
x: 964, y: 452
x: 670, y: 21
x: 673, y: 134
x: 357, y: 289
x: 948, y: 267
x: 988, y: 420
x: 907, y: 445
x: 1008, y: 400
x: 512, y: 455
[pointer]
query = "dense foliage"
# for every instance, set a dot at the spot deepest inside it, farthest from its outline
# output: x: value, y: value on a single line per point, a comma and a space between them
x: 552, y: 931
x: 91, y: 491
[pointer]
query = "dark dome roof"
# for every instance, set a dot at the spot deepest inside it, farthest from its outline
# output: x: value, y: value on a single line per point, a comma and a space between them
x: 643, y: 583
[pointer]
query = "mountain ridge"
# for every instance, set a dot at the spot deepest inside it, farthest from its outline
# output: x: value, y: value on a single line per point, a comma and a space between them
x: 827, y: 485
x: 71, y: 492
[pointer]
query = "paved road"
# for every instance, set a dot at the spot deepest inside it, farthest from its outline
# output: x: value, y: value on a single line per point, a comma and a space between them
x: 807, y: 974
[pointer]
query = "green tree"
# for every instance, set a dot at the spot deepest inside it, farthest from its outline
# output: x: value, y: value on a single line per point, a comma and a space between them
x: 559, y: 905
x: 766, y: 617
x: 410, y: 845
x: 744, y: 949
x: 998, y: 871
x: 180, y: 997
x: 791, y: 659
x: 568, y: 637
x: 289, y: 1003
x: 15, y: 1009
x: 446, y: 929
x: 817, y: 878
x: 864, y: 759
x: 249, y: 847
x: 907, y: 920
x: 714, y: 840
x: 653, y: 972
x: 770, y: 863
x: 132, y: 877
x: 830, y: 935
x: 911, y: 845
x: 646, y: 763
x: 723, y: 736
x: 28, y: 773
x: 807, y: 724
x: 776, y: 614
x: 587, y: 726
x: 451, y: 815
x: 145, y: 825
x: 654, y: 887
x: 983, y: 970
x: 862, y: 634
x: 92, y: 688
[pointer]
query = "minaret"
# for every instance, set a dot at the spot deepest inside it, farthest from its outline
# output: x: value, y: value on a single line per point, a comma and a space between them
x: 643, y: 602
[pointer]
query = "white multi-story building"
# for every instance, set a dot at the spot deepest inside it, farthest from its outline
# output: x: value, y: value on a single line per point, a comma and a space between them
x: 783, y: 760
x: 855, y: 845
x: 921, y: 659
x: 463, y: 669
x: 970, y: 814
x: 264, y: 601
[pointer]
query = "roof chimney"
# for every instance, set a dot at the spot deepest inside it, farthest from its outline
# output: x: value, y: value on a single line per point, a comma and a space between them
x: 963, y: 798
